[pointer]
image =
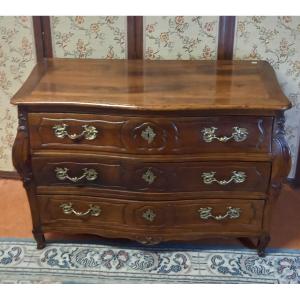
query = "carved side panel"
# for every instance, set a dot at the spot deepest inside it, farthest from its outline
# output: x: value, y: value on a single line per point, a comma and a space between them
x: 280, y: 169
x: 21, y: 151
x: 22, y: 163
x: 281, y: 157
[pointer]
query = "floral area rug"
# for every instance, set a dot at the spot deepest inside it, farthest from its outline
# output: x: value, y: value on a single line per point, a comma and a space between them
x: 21, y: 262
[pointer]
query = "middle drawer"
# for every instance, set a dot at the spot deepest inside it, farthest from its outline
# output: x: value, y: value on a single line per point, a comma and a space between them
x: 151, y: 176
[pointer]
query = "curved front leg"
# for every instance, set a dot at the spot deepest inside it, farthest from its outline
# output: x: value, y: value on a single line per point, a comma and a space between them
x: 22, y: 163
x: 262, y: 244
x: 281, y: 165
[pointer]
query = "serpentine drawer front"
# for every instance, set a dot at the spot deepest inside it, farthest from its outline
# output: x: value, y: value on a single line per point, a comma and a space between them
x: 215, y: 215
x: 135, y: 175
x: 152, y: 150
x: 127, y: 134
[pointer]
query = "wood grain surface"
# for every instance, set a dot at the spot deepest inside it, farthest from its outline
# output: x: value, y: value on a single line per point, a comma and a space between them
x: 159, y: 127
x: 153, y: 85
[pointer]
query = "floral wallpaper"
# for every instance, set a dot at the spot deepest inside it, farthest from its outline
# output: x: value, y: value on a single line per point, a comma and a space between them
x: 180, y: 37
x: 89, y: 37
x: 277, y: 40
x: 17, y: 58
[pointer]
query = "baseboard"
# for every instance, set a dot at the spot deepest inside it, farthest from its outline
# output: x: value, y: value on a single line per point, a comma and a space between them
x: 9, y: 175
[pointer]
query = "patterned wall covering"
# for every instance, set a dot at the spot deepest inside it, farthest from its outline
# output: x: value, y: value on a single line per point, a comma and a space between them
x: 17, y: 58
x: 180, y: 37
x: 89, y: 37
x: 277, y: 40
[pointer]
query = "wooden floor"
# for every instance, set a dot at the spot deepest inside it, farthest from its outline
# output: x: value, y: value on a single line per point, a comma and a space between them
x: 15, y: 219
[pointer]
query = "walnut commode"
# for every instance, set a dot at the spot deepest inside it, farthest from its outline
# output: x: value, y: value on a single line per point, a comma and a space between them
x: 152, y: 150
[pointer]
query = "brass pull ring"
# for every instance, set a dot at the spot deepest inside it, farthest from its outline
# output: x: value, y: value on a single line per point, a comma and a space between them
x: 238, y: 135
x: 89, y: 132
x: 237, y: 177
x: 68, y: 209
x: 88, y: 174
x: 232, y: 213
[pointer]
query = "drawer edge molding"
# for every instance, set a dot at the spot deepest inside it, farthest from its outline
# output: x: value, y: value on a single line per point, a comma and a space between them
x: 210, y: 215
x: 137, y: 134
x: 145, y: 176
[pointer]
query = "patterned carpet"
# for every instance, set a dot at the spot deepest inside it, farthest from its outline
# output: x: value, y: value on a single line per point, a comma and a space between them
x: 20, y: 262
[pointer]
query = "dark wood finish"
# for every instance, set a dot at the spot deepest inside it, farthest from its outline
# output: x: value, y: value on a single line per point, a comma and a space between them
x: 247, y: 242
x: 38, y: 37
x: 127, y: 174
x: 42, y: 37
x: 177, y: 100
x: 22, y: 163
x: 280, y: 169
x: 131, y: 38
x: 226, y: 37
x: 135, y: 37
x: 47, y: 40
x: 168, y: 219
x: 263, y: 241
x: 296, y: 180
x: 154, y: 85
x: 139, y: 37
x: 123, y: 134
x: 9, y: 175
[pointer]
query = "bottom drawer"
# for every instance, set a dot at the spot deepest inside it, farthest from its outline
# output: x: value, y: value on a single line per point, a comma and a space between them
x: 165, y: 219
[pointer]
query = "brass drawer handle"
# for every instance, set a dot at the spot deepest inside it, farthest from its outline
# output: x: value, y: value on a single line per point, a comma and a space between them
x: 237, y: 177
x: 88, y: 174
x: 148, y: 134
x: 68, y: 209
x: 89, y: 132
x: 149, y: 215
x: 239, y: 135
x: 149, y: 176
x: 232, y: 213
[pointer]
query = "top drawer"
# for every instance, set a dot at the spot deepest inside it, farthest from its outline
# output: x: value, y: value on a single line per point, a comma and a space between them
x: 150, y: 135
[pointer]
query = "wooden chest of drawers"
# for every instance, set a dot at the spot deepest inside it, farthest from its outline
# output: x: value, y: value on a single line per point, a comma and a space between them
x: 151, y: 150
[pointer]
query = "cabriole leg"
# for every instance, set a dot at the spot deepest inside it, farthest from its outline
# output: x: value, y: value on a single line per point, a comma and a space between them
x: 40, y: 239
x: 263, y: 242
